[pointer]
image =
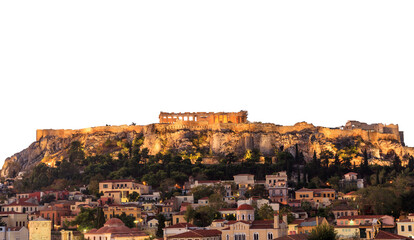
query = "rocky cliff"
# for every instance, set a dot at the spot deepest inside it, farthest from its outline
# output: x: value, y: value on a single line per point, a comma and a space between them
x: 211, y: 141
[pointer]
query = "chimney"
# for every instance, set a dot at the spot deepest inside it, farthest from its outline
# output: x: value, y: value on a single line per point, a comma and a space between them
x: 276, y: 221
x: 285, y: 220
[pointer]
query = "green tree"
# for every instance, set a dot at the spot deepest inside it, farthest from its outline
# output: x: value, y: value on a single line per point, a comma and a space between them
x: 189, y: 214
x: 86, y: 219
x: 100, y: 218
x: 323, y: 232
x: 76, y: 153
x: 133, y: 197
x: 161, y: 225
x: 127, y: 220
x: 204, y: 216
x: 265, y: 212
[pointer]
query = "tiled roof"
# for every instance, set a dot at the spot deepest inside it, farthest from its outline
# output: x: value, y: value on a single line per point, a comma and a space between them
x: 11, y: 212
x: 362, y: 217
x: 245, y: 207
x: 387, y: 235
x: 20, y: 203
x: 181, y: 225
x: 197, y: 234
x: 116, y: 228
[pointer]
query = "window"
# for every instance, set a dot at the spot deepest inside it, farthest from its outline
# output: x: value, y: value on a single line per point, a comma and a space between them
x: 410, y: 228
x: 255, y: 236
x: 227, y: 237
x: 402, y: 228
x: 270, y: 236
x: 105, y: 186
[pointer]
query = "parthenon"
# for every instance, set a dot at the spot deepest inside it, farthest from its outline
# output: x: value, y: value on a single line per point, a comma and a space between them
x: 210, y: 117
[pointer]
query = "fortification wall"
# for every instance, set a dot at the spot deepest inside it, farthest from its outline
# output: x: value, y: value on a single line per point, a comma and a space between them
x: 240, y: 127
x: 64, y: 133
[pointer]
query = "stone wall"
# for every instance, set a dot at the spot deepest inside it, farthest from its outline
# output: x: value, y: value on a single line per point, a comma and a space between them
x: 65, y: 133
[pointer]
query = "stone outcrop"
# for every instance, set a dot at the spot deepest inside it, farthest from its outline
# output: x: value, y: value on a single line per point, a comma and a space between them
x: 211, y: 140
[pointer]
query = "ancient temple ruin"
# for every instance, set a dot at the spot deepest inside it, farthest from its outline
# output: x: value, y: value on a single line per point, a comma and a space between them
x: 209, y: 117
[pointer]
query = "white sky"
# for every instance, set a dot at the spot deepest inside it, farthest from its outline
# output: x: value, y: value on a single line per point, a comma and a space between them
x: 76, y: 64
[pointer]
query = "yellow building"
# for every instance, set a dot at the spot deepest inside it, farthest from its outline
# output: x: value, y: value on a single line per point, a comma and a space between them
x: 179, y: 218
x: 14, y: 219
x: 318, y: 197
x: 40, y: 229
x: 117, y: 209
x: 120, y: 189
x: 252, y: 230
x: 347, y: 232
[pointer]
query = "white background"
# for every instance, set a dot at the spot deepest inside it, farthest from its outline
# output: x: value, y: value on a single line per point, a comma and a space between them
x: 77, y: 64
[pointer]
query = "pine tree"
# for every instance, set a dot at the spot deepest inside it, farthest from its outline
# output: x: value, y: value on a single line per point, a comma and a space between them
x: 100, y: 218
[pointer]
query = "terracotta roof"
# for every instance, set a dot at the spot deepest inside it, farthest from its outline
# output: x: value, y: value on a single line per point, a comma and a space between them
x: 245, y: 207
x: 387, y: 235
x: 227, y: 209
x: 262, y: 224
x: 181, y: 225
x: 324, y: 190
x: 114, y: 222
x: 362, y: 217
x: 20, y: 204
x: 116, y: 228
x: 293, y: 237
x: 298, y: 221
x: 197, y: 234
x: 11, y: 212
x: 231, y: 222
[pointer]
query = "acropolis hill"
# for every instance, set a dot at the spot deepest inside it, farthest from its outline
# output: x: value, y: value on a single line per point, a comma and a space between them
x: 212, y: 136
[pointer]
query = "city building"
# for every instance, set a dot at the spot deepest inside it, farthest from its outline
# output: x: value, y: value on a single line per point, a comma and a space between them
x: 405, y: 227
x: 15, y: 233
x: 119, y: 190
x: 277, y: 186
x: 133, y: 210
x: 40, y: 228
